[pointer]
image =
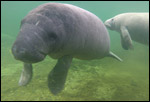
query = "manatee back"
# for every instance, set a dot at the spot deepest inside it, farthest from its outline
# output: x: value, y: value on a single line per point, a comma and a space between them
x: 138, y: 26
x: 89, y: 37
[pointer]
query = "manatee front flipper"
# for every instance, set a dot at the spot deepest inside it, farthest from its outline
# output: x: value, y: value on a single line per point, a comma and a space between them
x: 26, y: 74
x: 125, y: 38
x: 57, y: 76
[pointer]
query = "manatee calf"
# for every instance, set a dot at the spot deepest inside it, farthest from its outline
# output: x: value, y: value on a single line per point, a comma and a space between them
x: 130, y: 26
x: 63, y: 32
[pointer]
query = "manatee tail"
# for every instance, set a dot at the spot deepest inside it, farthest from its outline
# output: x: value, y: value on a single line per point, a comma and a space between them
x: 114, y: 56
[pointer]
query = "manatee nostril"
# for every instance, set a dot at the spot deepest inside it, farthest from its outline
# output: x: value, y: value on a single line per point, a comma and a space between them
x: 18, y: 51
x: 14, y: 50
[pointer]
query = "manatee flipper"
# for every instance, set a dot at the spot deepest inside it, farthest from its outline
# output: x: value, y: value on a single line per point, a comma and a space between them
x: 114, y: 56
x: 26, y: 74
x: 126, y: 40
x: 57, y: 77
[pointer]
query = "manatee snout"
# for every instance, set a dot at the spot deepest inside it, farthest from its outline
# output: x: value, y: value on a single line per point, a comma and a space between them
x: 109, y: 23
x: 18, y: 51
x: 26, y: 55
x: 29, y: 46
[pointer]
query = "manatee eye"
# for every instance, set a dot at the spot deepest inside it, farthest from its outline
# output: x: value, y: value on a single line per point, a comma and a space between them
x: 53, y: 36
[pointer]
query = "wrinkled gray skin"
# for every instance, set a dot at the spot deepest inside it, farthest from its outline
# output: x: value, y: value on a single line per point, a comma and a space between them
x: 131, y: 26
x: 63, y: 32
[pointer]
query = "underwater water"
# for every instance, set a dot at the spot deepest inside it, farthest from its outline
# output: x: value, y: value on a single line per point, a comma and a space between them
x: 97, y: 80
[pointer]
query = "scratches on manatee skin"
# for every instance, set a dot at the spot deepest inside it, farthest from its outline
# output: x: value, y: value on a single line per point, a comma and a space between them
x: 37, y: 23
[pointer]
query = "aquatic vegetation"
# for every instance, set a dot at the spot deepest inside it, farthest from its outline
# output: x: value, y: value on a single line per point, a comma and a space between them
x: 87, y: 80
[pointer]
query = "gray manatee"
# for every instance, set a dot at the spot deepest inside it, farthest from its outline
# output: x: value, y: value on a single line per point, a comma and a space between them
x: 63, y: 32
x: 130, y: 26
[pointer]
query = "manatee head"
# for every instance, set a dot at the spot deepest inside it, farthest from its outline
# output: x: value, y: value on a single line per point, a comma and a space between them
x: 110, y: 23
x: 115, y: 22
x: 32, y: 44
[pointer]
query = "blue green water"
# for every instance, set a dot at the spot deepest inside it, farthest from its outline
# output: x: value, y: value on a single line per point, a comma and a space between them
x: 104, y: 80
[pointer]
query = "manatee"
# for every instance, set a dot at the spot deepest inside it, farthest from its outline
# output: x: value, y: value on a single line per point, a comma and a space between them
x: 63, y: 32
x: 131, y: 26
